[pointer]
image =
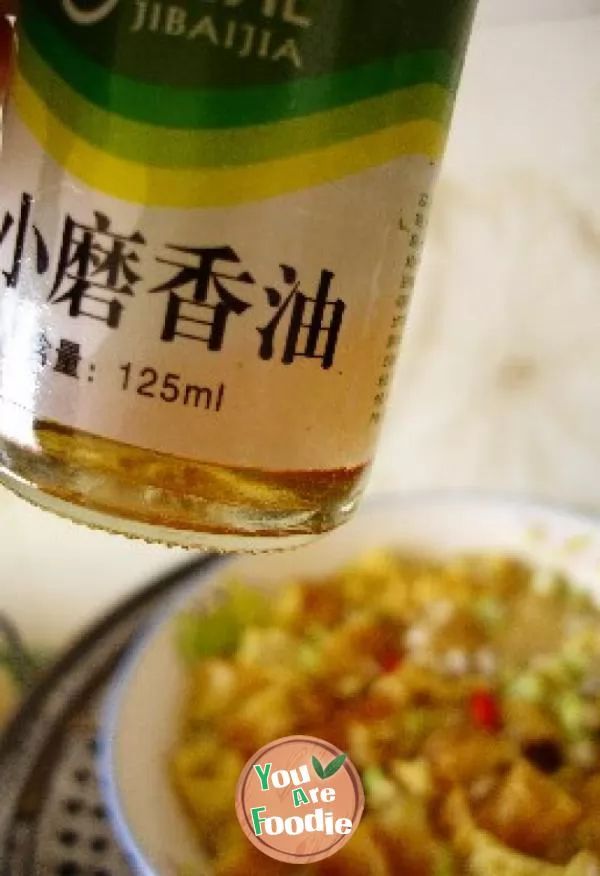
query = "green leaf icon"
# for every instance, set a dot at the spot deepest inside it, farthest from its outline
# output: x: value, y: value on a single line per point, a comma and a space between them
x: 318, y: 768
x: 336, y: 764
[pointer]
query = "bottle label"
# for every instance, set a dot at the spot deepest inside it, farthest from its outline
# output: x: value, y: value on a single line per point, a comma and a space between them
x: 210, y: 219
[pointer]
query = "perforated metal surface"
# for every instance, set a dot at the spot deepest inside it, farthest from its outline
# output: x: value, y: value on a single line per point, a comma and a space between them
x: 74, y: 836
x: 53, y: 820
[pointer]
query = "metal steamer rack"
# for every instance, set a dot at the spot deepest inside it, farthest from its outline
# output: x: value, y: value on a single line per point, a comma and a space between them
x: 53, y: 821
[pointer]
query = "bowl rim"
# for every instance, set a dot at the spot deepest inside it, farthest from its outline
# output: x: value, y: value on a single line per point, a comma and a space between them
x: 111, y: 706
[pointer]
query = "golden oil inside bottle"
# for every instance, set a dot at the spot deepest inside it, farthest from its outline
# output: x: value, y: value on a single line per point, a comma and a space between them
x: 141, y: 493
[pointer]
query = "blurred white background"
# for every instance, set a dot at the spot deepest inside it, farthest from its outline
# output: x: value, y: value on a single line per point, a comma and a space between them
x: 499, y: 381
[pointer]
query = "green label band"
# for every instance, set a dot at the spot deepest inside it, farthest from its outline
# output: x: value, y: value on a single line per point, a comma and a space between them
x: 181, y: 104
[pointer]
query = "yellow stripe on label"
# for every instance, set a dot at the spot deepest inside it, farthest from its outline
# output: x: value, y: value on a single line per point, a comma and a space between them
x: 222, y: 187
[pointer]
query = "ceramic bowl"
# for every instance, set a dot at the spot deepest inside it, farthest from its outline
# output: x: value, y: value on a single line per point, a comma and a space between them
x: 139, y: 721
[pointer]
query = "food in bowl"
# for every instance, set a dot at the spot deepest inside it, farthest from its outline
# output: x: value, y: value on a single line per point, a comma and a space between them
x: 466, y: 692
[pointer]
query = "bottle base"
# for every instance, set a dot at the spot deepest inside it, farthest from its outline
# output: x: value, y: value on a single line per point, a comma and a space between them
x: 146, y: 495
x: 154, y: 534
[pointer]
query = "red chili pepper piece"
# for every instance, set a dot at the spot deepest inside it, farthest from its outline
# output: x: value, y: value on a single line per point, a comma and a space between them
x: 485, y: 710
x: 390, y: 659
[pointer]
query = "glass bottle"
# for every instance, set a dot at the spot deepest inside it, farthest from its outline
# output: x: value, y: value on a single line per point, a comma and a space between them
x: 210, y: 220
